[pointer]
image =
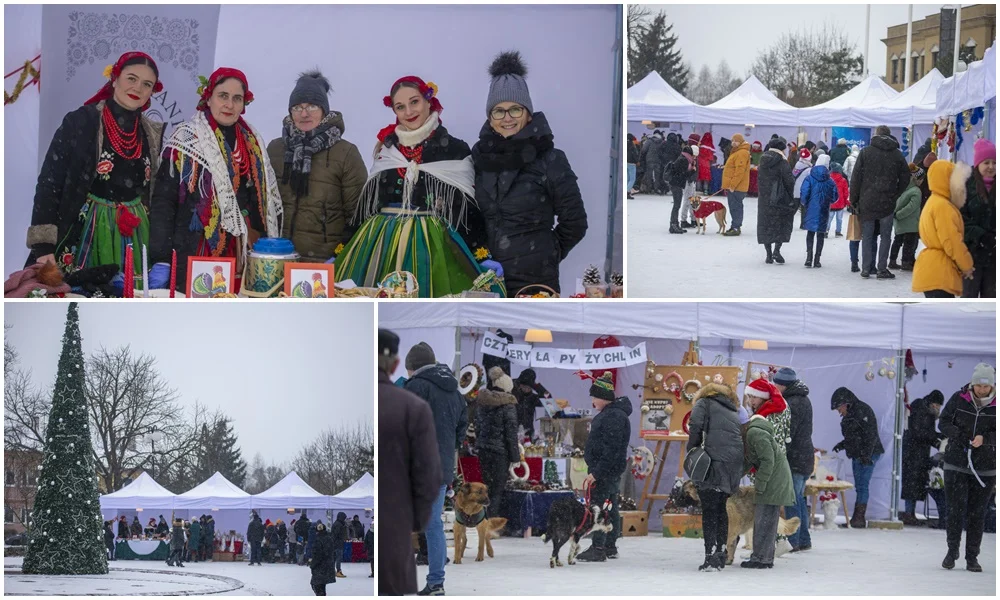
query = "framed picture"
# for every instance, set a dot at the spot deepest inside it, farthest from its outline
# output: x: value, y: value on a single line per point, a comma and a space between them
x: 209, y: 275
x: 308, y: 280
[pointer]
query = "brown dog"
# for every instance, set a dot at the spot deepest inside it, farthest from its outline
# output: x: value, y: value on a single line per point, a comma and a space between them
x: 702, y: 209
x: 740, y: 509
x: 471, y: 501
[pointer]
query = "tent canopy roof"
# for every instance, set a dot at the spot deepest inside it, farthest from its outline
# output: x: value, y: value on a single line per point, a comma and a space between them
x: 751, y: 94
x: 872, y: 91
x: 142, y: 486
x: 290, y: 485
x: 362, y: 488
x: 654, y: 99
x: 751, y: 103
x: 215, y: 486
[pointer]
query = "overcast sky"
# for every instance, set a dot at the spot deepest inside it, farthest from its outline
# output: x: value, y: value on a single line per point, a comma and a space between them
x: 738, y: 33
x: 284, y: 372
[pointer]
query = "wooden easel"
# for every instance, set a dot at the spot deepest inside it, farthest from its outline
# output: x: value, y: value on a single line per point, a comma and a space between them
x: 655, y: 389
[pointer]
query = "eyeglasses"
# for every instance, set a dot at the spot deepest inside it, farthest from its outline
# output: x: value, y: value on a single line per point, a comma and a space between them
x: 304, y: 108
x: 515, y: 112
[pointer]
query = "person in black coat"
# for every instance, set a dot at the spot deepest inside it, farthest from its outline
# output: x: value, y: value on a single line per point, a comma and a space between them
x: 969, y: 421
x: 176, y: 544
x: 357, y: 529
x: 323, y: 562
x: 632, y: 159
x: 799, y: 451
x: 607, y: 445
x: 678, y: 173
x: 301, y: 530
x: 861, y: 441
x: 136, y: 529
x: 671, y: 148
x: 339, y: 533
x: 775, y: 205
x: 525, y: 186
x: 109, y: 540
x: 370, y: 548
x: 496, y: 436
x: 255, y: 536
x: 123, y: 531
x: 651, y: 154
x: 529, y: 394
x: 162, y: 528
x: 98, y: 166
x: 920, y: 436
x: 881, y: 175
x: 715, y: 422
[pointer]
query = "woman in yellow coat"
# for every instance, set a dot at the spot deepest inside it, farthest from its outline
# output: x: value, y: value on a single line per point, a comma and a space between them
x: 945, y: 260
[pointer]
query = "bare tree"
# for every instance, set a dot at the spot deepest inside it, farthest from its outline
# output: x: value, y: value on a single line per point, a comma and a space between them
x: 338, y: 455
x: 638, y: 14
x: 128, y: 398
x: 26, y: 411
x: 814, y: 66
x: 261, y: 476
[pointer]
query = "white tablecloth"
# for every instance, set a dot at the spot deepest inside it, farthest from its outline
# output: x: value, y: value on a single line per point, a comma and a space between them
x: 143, y: 547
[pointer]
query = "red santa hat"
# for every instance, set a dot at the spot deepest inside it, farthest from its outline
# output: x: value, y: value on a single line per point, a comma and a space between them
x: 774, y: 402
x: 804, y: 154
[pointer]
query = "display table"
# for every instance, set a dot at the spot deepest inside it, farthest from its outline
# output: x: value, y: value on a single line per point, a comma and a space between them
x: 528, y: 512
x: 355, y: 552
x: 815, y: 487
x: 142, y: 550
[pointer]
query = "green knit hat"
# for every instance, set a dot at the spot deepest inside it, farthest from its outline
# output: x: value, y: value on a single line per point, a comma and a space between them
x: 603, y: 387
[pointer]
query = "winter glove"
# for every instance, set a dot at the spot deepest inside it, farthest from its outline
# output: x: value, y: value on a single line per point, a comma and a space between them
x: 159, y: 276
x: 838, y: 447
x: 492, y: 264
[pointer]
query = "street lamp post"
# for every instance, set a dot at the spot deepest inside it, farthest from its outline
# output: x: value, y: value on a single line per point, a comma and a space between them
x: 152, y: 436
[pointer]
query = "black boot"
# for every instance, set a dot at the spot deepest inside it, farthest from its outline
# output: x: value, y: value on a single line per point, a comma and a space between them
x: 778, y: 258
x: 592, y: 554
x: 611, y: 551
x: 432, y: 590
x: 854, y: 266
x: 720, y: 558
x: 858, y: 521
x: 674, y: 228
x: 809, y: 258
x: 816, y: 264
x: 885, y: 274
x: 770, y: 255
x: 894, y: 265
x: 709, y: 564
x: 972, y: 564
x: 949, y: 559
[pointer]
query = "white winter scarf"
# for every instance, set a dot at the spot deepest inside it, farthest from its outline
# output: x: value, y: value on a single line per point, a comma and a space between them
x: 196, y: 139
x: 442, y: 179
x: 410, y: 138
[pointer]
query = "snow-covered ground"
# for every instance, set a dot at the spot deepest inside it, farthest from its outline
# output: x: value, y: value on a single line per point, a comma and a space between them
x: 664, y: 265
x: 842, y: 562
x: 155, y: 578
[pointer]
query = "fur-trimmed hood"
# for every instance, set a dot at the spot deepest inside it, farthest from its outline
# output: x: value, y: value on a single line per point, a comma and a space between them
x: 716, y: 389
x: 948, y: 179
x: 491, y: 398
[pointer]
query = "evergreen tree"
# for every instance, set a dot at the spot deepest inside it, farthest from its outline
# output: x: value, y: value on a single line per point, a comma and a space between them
x: 66, y: 529
x: 655, y: 49
x: 219, y: 452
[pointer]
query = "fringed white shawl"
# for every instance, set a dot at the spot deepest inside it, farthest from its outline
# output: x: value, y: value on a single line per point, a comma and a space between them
x: 196, y: 139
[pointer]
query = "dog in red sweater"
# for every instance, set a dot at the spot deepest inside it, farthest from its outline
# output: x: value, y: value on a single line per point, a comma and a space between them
x: 702, y: 209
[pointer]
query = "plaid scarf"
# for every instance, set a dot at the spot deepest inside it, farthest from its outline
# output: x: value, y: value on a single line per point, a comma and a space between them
x: 300, y: 148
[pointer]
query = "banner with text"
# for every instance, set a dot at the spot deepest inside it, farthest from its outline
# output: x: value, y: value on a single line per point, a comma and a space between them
x: 526, y: 355
x: 78, y: 41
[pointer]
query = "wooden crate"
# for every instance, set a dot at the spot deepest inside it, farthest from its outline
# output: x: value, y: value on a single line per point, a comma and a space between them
x: 634, y: 523
x: 682, y: 525
x: 223, y: 556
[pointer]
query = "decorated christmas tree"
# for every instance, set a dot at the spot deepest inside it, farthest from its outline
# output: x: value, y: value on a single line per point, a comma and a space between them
x: 592, y: 276
x: 66, y: 530
x: 551, y: 474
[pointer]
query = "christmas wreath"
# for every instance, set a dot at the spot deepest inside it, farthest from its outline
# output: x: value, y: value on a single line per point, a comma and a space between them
x: 642, y: 462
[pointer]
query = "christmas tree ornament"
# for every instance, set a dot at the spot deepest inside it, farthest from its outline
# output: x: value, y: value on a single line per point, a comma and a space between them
x: 882, y: 371
x: 617, y: 285
x: 890, y: 374
x: 659, y: 377
x: 593, y: 285
x: 870, y: 376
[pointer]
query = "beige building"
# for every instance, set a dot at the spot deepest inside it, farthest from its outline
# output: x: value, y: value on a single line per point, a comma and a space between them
x: 978, y: 31
x: 20, y: 479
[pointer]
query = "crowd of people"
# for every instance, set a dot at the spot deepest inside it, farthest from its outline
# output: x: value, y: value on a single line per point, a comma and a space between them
x: 498, y: 216
x: 892, y: 205
x: 768, y: 437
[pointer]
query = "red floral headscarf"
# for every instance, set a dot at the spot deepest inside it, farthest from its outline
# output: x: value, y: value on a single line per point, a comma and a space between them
x: 428, y: 90
x: 116, y: 70
x: 208, y: 86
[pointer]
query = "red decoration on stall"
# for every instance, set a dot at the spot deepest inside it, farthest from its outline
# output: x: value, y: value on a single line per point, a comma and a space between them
x: 607, y: 341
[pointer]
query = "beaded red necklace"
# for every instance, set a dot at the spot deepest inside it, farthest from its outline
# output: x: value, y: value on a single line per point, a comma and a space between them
x: 126, y: 144
x: 412, y: 154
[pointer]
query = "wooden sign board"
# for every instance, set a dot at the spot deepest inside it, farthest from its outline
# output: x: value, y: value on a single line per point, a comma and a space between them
x: 668, y: 392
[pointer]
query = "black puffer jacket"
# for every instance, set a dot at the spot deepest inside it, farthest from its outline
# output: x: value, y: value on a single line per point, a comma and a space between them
x: 961, y: 420
x: 920, y: 436
x: 775, y: 205
x: 338, y: 531
x: 177, y: 538
x: 610, y: 432
x: 671, y: 148
x: 653, y: 151
x: 880, y: 177
x: 68, y: 172
x: 800, y: 451
x: 301, y: 528
x: 323, y: 563
x: 859, y: 427
x: 980, y: 217
x: 523, y: 185
x: 255, y: 531
x: 679, y: 171
x: 437, y: 385
x: 715, y: 418
x: 631, y: 152
x: 496, y: 424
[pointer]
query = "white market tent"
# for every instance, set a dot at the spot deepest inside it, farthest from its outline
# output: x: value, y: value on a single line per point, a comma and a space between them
x: 216, y: 492
x: 652, y: 99
x: 915, y: 105
x: 850, y: 108
x: 360, y: 496
x: 751, y: 103
x: 142, y: 493
x: 290, y: 492
x: 828, y: 344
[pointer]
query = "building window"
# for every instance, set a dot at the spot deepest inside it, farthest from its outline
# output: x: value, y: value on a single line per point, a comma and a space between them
x: 895, y: 70
x: 9, y: 478
x: 923, y: 64
x: 8, y: 515
x: 916, y: 75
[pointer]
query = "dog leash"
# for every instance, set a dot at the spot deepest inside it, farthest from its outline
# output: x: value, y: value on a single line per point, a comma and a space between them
x: 586, y: 512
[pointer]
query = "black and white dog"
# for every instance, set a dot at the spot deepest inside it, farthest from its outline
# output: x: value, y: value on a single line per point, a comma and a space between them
x: 570, y: 521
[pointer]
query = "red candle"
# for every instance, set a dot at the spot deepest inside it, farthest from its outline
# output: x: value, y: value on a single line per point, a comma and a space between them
x: 129, y: 292
x: 173, y: 273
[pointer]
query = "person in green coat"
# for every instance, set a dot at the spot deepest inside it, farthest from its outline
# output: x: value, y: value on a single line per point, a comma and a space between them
x: 772, y: 484
x: 194, y: 542
x: 906, y: 221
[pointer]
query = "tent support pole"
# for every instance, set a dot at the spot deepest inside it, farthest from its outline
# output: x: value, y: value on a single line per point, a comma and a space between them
x: 897, y: 435
x: 909, y: 47
x: 457, y: 361
x: 616, y: 184
x: 958, y: 41
x: 868, y: 21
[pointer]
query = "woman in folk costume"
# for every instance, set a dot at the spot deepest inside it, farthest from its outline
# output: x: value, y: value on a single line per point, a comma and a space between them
x: 95, y: 181
x: 216, y: 192
x: 418, y: 204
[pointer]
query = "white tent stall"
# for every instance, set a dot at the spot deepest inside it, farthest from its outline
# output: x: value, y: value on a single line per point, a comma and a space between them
x: 971, y: 89
x: 360, y: 496
x: 226, y: 502
x: 287, y: 500
x: 750, y: 104
x: 653, y: 99
x: 849, y: 108
x: 143, y: 497
x: 828, y: 344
